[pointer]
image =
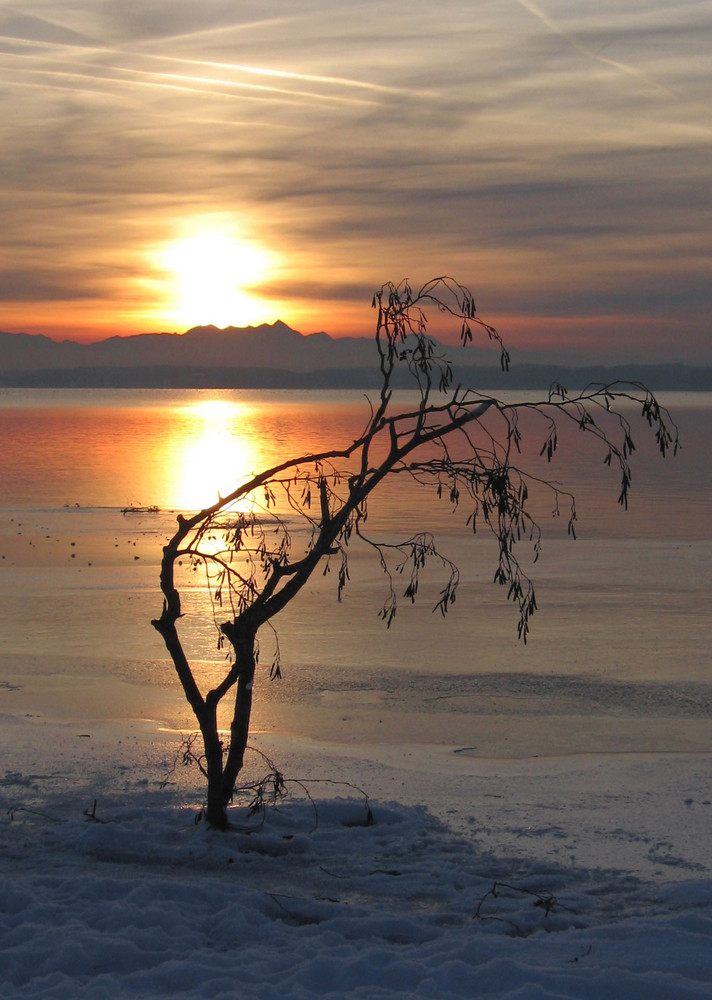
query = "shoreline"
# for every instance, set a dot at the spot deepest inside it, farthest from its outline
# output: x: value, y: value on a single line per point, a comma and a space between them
x: 646, y: 813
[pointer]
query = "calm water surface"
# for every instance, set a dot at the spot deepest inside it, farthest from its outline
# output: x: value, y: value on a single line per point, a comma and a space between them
x: 619, y: 655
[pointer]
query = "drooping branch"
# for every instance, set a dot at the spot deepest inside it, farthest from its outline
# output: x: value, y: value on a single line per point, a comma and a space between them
x: 454, y: 442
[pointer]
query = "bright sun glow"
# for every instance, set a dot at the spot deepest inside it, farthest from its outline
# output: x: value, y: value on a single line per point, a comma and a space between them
x: 212, y: 457
x: 211, y: 274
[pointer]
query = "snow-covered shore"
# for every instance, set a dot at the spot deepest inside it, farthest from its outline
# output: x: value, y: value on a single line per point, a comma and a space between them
x: 541, y: 814
x: 576, y: 877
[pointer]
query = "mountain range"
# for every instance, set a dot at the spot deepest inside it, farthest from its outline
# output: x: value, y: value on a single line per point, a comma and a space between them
x: 276, y: 356
x: 265, y: 346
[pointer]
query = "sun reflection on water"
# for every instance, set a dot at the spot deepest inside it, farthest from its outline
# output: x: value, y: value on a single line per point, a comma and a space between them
x: 217, y: 449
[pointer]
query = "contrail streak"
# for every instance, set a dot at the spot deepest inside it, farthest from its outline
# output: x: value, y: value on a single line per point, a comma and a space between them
x: 191, y: 84
x: 286, y: 75
x: 556, y: 29
x: 277, y: 74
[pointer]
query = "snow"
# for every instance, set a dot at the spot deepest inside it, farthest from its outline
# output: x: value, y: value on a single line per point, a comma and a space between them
x: 534, y: 879
x: 541, y: 814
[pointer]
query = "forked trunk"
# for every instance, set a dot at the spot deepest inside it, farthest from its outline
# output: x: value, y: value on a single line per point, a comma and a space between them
x: 215, y: 812
x: 223, y: 770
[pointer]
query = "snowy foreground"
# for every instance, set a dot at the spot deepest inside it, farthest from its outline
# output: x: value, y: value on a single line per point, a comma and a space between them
x: 585, y: 878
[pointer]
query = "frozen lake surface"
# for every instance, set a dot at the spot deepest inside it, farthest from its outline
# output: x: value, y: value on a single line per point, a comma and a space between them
x: 573, y: 773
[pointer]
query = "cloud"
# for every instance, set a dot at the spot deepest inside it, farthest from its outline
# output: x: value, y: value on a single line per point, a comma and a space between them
x: 555, y: 156
x: 30, y: 29
x: 17, y: 285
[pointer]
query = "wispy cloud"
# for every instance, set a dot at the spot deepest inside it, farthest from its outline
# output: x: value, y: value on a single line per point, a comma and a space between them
x: 554, y: 155
x: 578, y: 41
x: 112, y: 77
x: 337, y: 81
x: 578, y: 46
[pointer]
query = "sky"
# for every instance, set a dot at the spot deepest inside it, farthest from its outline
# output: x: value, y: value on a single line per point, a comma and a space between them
x: 167, y: 163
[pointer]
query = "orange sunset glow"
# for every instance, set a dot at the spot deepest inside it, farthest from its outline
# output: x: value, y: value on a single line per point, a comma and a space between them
x: 188, y: 167
x: 355, y: 499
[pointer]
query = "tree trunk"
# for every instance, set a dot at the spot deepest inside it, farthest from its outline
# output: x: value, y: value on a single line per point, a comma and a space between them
x: 244, y: 645
x: 215, y: 812
x: 223, y: 771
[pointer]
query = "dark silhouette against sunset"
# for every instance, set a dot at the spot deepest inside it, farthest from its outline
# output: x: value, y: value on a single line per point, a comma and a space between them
x: 355, y: 500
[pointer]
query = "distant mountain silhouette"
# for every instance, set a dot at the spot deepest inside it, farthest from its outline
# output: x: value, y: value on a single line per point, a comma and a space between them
x: 276, y: 356
x: 273, y: 345
x: 263, y: 346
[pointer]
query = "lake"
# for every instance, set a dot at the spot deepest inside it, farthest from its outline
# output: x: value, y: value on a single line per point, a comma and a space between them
x: 619, y: 655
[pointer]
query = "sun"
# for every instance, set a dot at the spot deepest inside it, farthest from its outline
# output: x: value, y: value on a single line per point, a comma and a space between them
x: 210, y: 273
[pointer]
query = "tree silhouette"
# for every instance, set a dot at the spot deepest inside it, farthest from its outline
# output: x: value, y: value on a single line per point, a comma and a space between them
x: 256, y: 562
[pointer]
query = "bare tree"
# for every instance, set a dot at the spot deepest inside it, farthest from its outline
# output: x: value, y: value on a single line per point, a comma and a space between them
x: 447, y: 442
